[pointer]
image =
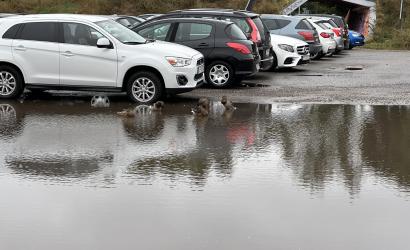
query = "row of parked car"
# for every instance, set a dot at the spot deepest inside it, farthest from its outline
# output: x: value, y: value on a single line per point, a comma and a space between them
x: 155, y: 55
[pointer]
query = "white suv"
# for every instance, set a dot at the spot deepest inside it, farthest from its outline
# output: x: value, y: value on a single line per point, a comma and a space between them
x: 79, y: 52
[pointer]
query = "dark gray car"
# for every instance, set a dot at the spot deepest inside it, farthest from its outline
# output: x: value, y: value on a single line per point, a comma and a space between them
x: 296, y: 27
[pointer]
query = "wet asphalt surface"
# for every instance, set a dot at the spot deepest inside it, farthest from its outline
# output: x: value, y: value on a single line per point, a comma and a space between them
x: 384, y: 80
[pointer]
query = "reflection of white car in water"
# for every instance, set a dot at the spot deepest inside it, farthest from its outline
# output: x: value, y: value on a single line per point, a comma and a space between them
x: 77, y: 138
x: 289, y: 52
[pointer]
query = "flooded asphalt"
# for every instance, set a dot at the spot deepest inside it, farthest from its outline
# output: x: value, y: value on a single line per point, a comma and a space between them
x: 267, y: 176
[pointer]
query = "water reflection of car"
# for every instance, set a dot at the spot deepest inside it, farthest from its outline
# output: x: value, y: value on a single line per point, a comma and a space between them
x: 356, y: 39
x: 75, y: 134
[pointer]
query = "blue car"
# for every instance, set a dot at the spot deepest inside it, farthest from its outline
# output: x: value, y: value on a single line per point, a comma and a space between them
x: 356, y: 39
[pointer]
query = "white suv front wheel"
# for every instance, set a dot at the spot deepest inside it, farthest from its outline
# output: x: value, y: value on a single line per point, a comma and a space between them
x: 11, y: 82
x: 144, y: 87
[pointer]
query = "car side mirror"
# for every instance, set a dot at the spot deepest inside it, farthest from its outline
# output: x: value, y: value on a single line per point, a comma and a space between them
x: 104, y: 43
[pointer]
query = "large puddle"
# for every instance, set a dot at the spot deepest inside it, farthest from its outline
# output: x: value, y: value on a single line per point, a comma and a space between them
x: 276, y: 176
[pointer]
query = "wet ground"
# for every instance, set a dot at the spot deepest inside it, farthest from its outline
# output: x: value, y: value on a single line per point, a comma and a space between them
x: 384, y: 80
x: 267, y: 176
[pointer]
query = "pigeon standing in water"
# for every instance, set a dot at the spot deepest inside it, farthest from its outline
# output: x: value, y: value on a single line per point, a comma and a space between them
x: 158, y: 106
x: 227, y: 104
x: 127, y: 113
x: 202, y: 108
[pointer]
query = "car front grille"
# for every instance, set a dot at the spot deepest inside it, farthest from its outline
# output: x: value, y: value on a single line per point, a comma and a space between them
x: 303, y: 50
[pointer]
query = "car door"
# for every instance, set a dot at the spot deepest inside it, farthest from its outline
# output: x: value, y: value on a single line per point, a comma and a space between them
x: 197, y: 35
x: 82, y: 63
x: 156, y: 31
x: 36, y: 50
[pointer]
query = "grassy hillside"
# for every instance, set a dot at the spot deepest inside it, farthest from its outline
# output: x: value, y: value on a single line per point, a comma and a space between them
x: 389, y: 32
x: 128, y: 6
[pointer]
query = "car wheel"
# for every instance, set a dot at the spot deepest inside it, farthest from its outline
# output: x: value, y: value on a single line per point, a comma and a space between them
x: 316, y: 56
x: 11, y: 83
x: 274, y: 66
x: 144, y: 87
x: 220, y: 74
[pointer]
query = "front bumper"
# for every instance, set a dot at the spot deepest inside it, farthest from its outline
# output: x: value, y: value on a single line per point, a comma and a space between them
x: 288, y: 59
x: 190, y: 73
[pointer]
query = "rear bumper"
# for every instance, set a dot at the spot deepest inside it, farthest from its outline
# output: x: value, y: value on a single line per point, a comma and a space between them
x: 247, y: 67
x: 266, y: 58
x: 315, y: 48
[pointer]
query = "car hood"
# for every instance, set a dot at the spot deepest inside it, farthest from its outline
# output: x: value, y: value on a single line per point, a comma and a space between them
x: 278, y: 39
x: 173, y: 49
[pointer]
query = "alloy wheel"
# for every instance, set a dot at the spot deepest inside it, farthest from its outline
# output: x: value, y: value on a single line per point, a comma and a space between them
x: 7, y: 83
x: 143, y: 89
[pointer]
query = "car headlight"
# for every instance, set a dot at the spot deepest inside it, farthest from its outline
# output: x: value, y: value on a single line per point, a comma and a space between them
x: 286, y: 47
x: 178, y: 61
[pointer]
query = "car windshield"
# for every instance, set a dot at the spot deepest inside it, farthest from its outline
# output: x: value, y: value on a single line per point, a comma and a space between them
x: 120, y: 32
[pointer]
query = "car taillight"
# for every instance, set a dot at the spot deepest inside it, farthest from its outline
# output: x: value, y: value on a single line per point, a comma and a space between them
x: 239, y: 47
x: 255, y: 36
x: 337, y: 31
x: 325, y: 35
x: 308, y: 35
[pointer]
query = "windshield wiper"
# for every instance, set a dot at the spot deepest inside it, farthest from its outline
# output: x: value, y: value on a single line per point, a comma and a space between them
x: 132, y: 43
x: 149, y: 40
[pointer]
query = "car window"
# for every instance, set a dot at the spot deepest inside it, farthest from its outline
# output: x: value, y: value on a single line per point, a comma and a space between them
x: 192, y: 31
x: 39, y: 31
x: 260, y: 25
x: 283, y: 23
x: 121, y: 33
x: 12, y: 32
x: 322, y: 25
x: 334, y: 25
x: 304, y: 25
x: 124, y: 21
x: 235, y: 33
x: 157, y: 32
x: 271, y: 24
x: 242, y: 24
x: 81, y: 34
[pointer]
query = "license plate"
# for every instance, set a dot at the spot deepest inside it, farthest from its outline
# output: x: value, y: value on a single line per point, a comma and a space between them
x: 201, y: 69
x: 267, y: 52
x: 305, y: 57
x: 258, y: 67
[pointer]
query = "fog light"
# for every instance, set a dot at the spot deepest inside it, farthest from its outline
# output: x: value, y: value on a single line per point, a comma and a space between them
x: 182, y: 80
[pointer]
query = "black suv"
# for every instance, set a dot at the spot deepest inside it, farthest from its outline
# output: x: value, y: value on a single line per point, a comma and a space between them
x: 229, y: 55
x: 249, y: 22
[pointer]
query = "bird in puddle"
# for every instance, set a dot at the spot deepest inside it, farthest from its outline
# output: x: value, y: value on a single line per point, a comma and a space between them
x: 158, y: 106
x: 227, y: 104
x: 202, y: 108
x: 127, y: 113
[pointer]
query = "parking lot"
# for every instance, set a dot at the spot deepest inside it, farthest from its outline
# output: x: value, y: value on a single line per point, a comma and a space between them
x: 384, y: 80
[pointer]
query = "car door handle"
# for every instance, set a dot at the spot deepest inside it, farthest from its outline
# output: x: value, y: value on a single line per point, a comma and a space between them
x: 203, y: 45
x: 67, y: 54
x: 20, y: 48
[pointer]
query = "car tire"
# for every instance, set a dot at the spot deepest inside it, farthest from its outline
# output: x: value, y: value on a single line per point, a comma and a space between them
x: 11, y: 82
x: 274, y: 66
x: 316, y: 56
x: 145, y: 87
x: 220, y: 74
